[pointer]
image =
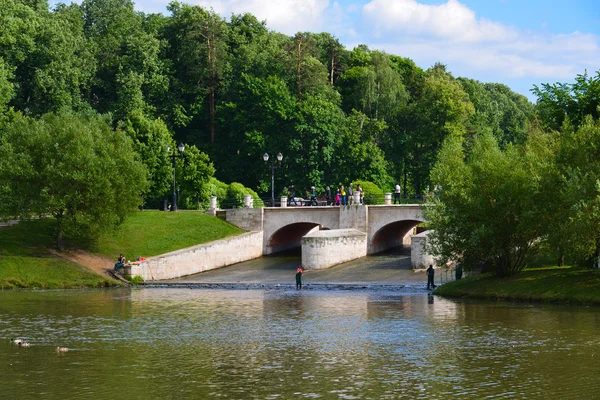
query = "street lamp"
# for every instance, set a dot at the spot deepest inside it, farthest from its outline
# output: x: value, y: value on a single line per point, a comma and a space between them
x: 272, y: 165
x: 181, y: 148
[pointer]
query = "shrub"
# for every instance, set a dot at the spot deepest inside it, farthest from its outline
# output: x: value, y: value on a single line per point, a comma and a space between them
x: 372, y: 193
x: 235, y: 196
x: 136, y: 280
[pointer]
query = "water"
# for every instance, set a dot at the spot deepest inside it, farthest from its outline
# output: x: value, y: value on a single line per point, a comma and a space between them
x: 281, y: 344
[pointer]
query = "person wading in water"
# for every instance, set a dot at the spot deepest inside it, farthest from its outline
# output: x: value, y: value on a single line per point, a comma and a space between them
x: 299, y: 271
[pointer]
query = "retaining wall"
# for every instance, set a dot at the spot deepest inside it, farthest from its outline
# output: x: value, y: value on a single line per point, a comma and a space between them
x: 323, y: 249
x: 419, y: 258
x: 200, y: 258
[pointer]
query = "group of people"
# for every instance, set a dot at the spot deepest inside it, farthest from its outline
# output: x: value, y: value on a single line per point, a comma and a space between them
x: 343, y: 196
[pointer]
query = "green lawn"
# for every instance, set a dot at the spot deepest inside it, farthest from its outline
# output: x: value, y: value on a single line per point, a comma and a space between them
x: 151, y: 233
x: 547, y: 284
x: 28, y: 259
x: 46, y: 273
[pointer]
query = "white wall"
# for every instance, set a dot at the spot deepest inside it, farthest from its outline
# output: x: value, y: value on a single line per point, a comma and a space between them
x: 200, y: 258
x: 419, y: 258
x: 323, y: 249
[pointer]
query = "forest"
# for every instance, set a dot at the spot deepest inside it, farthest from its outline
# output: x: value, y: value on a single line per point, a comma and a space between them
x: 95, y: 97
x: 231, y: 90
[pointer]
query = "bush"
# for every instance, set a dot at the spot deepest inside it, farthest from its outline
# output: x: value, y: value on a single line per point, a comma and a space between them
x: 372, y: 193
x: 136, y: 280
x: 235, y: 196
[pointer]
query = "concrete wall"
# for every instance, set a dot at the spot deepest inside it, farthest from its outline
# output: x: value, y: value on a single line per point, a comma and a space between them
x: 323, y: 249
x: 248, y: 219
x: 419, y: 258
x: 354, y: 217
x: 200, y: 258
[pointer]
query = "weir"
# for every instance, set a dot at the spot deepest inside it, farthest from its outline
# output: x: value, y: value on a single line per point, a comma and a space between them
x: 327, y: 235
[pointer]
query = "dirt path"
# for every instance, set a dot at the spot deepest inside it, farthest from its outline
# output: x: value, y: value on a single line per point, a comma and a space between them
x: 98, y: 264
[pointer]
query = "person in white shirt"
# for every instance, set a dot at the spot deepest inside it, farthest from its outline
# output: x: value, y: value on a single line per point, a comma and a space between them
x: 397, y: 194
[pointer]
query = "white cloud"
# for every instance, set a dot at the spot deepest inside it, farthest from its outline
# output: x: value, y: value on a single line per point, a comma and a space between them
x: 286, y: 16
x: 452, y: 34
x: 450, y: 21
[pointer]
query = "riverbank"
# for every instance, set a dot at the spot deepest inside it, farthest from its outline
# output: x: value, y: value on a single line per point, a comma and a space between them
x: 28, y: 257
x: 544, y: 284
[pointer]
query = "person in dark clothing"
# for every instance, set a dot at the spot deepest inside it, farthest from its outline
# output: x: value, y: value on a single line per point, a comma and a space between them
x: 397, y: 193
x: 430, y: 275
x: 458, y: 271
x: 313, y: 196
x: 120, y: 262
x: 328, y: 198
x: 299, y: 272
x: 292, y: 197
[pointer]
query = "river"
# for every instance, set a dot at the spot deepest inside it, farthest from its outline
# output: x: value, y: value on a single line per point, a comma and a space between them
x: 158, y: 343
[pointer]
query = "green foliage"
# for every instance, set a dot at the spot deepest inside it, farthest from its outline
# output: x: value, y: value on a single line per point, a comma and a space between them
x: 235, y: 90
x: 195, y: 171
x: 573, y: 101
x: 75, y: 168
x: 546, y: 284
x: 150, y: 140
x: 486, y: 212
x: 136, y: 280
x: 576, y: 191
x: 235, y: 196
x: 372, y: 193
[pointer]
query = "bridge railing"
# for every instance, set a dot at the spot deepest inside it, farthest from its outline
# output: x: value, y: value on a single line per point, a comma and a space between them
x: 368, y: 199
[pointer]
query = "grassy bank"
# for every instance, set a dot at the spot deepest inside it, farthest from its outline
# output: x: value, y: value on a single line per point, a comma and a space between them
x: 28, y: 257
x: 544, y: 284
x: 151, y: 233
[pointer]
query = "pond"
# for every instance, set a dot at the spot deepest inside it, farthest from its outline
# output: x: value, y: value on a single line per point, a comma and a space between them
x: 281, y: 344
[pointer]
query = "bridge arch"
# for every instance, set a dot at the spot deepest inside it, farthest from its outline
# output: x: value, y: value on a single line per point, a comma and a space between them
x: 290, y: 236
x: 283, y: 228
x: 391, y: 226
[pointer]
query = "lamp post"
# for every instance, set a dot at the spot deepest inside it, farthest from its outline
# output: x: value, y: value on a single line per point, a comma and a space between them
x: 174, y: 155
x: 272, y: 165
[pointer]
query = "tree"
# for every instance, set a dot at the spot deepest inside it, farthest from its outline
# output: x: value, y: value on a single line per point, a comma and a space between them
x: 72, y: 167
x: 199, y: 40
x: 574, y: 208
x: 195, y: 171
x: 486, y: 213
x: 150, y: 140
x: 442, y: 110
x: 568, y: 100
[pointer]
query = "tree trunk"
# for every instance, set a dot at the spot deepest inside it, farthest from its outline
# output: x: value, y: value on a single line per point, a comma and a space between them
x: 59, y: 231
x: 332, y: 66
x: 212, y: 114
x: 299, y: 69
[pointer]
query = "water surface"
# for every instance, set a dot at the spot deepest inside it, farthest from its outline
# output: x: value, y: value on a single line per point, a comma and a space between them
x: 181, y: 343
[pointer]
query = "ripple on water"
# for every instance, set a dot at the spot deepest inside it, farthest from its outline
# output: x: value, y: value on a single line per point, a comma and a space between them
x: 316, y: 344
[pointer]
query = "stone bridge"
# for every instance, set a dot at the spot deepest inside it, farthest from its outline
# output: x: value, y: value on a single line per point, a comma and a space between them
x: 385, y: 226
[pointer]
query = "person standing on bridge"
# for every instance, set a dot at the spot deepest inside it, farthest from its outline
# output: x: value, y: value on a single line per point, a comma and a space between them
x: 430, y: 275
x: 397, y: 193
x: 350, y: 192
x: 299, y: 272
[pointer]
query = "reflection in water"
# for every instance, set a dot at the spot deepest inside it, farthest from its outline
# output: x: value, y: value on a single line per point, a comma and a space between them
x: 176, y: 343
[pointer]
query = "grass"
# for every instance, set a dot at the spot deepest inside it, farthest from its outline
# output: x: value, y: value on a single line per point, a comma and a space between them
x: 151, y: 233
x: 543, y: 284
x: 28, y: 258
x: 46, y: 273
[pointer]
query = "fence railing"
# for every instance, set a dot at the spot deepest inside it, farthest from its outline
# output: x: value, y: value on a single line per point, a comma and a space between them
x: 298, y: 201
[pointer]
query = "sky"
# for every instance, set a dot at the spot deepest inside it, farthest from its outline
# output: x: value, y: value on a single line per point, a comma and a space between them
x: 516, y: 42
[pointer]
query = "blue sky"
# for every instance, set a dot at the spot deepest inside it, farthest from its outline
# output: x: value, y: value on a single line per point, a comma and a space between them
x: 516, y: 42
